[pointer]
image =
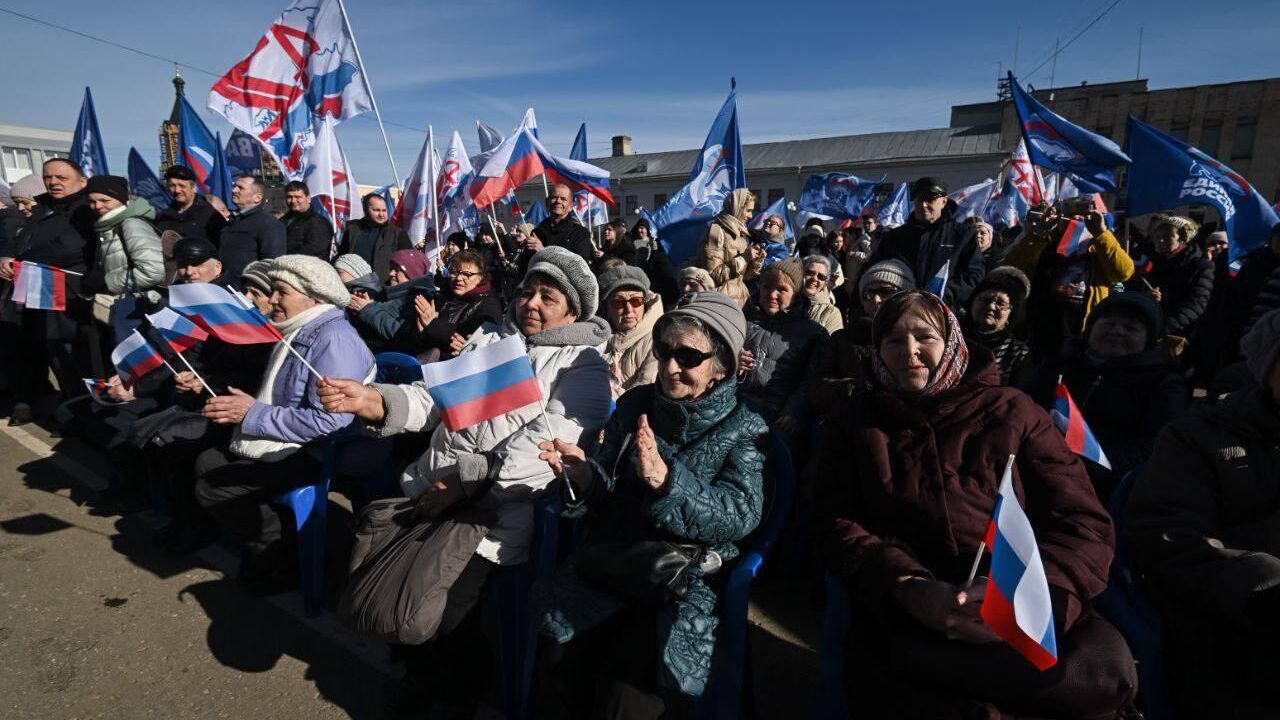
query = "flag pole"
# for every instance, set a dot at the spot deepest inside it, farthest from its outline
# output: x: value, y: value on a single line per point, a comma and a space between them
x: 296, y: 354
x: 372, y: 100
x: 193, y: 372
x: 432, y: 170
x: 982, y: 546
x: 568, y: 486
x: 244, y: 302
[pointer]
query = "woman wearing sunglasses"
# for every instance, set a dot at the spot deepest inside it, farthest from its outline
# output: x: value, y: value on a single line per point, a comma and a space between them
x: 680, y: 462
x: 631, y: 310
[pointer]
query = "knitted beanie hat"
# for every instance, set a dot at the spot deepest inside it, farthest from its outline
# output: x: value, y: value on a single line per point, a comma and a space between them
x: 892, y: 272
x: 718, y: 312
x: 569, y: 272
x: 354, y: 265
x: 113, y: 186
x: 790, y: 268
x: 255, y: 275
x: 311, y: 276
x: 414, y: 263
x: 627, y: 277
x: 698, y: 275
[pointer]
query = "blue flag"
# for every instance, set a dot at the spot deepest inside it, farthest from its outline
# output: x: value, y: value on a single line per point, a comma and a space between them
x: 579, y: 151
x: 777, y: 209
x: 244, y: 154
x: 838, y: 195
x: 220, y: 177
x: 1167, y: 172
x: 1056, y: 144
x: 897, y: 208
x: 144, y: 184
x: 537, y: 213
x: 86, y: 142
x: 717, y: 171
x: 198, y: 149
x: 648, y: 220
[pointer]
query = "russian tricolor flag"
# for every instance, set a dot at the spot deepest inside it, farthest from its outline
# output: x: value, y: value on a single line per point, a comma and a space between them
x: 228, y: 317
x: 179, y: 332
x: 39, y: 287
x: 579, y: 176
x: 98, y: 391
x: 134, y: 358
x: 938, y: 284
x: 482, y: 384
x: 1074, y: 237
x: 1068, y: 418
x: 514, y: 162
x: 1017, y: 606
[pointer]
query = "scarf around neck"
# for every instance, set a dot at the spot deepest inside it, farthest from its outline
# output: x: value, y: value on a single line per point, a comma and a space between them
x: 952, y: 366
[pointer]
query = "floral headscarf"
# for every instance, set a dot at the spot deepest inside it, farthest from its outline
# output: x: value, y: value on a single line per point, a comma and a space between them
x: 955, y: 356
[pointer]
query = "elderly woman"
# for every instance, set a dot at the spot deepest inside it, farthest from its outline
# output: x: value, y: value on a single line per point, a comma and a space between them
x: 681, y: 462
x: 632, y: 310
x: 442, y: 324
x: 276, y: 436
x: 727, y: 252
x: 819, y: 273
x: 494, y: 465
x: 1179, y: 277
x: 840, y: 367
x: 129, y: 263
x: 379, y: 318
x: 357, y: 274
x: 781, y: 340
x: 994, y: 321
x: 694, y: 279
x: 908, y: 480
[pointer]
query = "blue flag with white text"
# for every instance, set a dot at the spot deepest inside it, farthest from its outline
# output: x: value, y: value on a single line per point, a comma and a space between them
x: 145, y: 184
x: 1167, y: 172
x: 86, y: 142
x: 244, y: 154
x: 896, y: 208
x: 838, y: 195
x: 717, y: 171
x: 1054, y: 143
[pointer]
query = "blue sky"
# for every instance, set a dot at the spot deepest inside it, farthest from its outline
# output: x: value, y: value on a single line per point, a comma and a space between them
x: 656, y: 71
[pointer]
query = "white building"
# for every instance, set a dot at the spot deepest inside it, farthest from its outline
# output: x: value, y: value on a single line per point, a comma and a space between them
x: 24, y: 149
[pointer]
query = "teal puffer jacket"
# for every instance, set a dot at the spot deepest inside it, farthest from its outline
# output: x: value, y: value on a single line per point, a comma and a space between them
x: 714, y: 448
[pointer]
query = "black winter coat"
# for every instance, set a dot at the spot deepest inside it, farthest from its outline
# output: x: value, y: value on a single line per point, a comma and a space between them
x: 253, y: 234
x: 11, y: 220
x: 926, y: 247
x: 455, y: 315
x: 200, y: 220
x: 307, y: 233
x: 374, y: 243
x: 1185, y: 282
x: 566, y: 233
x: 783, y: 346
x: 663, y: 276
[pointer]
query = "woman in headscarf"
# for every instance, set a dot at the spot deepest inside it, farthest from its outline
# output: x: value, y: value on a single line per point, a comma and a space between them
x: 727, y: 252
x: 277, y: 437
x: 909, y: 476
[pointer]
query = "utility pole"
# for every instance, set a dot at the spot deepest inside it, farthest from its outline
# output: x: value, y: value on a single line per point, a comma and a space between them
x: 1138, y: 75
x: 1053, y: 71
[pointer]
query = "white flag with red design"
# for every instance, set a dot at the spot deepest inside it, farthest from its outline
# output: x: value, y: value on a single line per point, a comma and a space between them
x: 413, y: 214
x: 1025, y: 176
x: 328, y: 177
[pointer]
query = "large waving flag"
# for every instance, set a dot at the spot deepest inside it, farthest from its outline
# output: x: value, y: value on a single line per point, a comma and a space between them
x: 579, y: 149
x: 180, y: 333
x: 228, y: 317
x: 1054, y: 143
x: 39, y: 287
x: 1167, y: 172
x: 589, y: 209
x: 145, y: 184
x: 897, y: 208
x: 199, y: 148
x: 413, y: 214
x: 303, y: 68
x: 580, y: 176
x: 1017, y: 606
x: 717, y: 171
x: 838, y: 195
x: 328, y: 176
x: 972, y: 201
x: 134, y: 358
x: 1068, y: 418
x: 777, y: 209
x: 86, y: 142
x: 457, y: 212
x: 482, y: 384
x: 507, y: 167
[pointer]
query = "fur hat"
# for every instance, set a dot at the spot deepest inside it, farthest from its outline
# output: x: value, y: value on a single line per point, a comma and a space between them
x: 627, y: 277
x: 719, y: 313
x: 893, y: 272
x: 1012, y: 282
x: 312, y: 277
x: 571, y: 274
x: 255, y: 275
x: 1186, y: 226
x: 354, y: 265
x: 698, y: 275
x: 1261, y: 346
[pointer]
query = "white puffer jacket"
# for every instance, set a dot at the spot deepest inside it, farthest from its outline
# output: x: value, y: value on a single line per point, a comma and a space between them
x: 129, y: 251
x: 574, y: 380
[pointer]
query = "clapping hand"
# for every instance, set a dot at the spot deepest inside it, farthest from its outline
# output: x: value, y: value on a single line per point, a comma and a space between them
x: 652, y: 468
x: 426, y: 311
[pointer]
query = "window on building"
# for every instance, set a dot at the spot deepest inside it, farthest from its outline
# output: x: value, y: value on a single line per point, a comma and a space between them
x: 776, y: 194
x: 1242, y: 141
x: 1180, y: 129
x: 1211, y: 136
x: 631, y: 203
x: 659, y: 199
x: 17, y: 163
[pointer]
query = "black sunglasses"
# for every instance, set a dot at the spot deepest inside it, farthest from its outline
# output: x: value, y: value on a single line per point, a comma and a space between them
x: 686, y: 357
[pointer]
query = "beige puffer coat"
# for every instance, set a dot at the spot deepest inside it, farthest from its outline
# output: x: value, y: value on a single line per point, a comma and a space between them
x: 725, y: 249
x: 630, y: 353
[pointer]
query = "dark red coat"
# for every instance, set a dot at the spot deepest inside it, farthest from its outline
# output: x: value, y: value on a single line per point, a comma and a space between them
x: 907, y: 488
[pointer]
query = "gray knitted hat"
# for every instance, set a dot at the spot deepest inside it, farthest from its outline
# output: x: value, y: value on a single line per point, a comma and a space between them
x: 355, y: 265
x: 31, y: 186
x: 571, y: 274
x: 627, y: 277
x: 894, y: 272
x: 1261, y: 346
x: 311, y: 276
x: 255, y: 275
x: 718, y: 312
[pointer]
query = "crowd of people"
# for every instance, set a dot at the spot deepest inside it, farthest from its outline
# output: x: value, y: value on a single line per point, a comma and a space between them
x: 661, y: 385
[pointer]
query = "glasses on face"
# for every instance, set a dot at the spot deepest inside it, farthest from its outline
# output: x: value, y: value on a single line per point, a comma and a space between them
x: 877, y: 293
x: 772, y: 223
x: 814, y: 274
x: 995, y: 304
x: 686, y: 357
x: 621, y: 302
x: 464, y: 274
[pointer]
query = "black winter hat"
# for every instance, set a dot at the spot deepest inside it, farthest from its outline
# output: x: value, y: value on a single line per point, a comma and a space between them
x: 1010, y: 281
x: 179, y: 172
x: 193, y: 251
x: 113, y: 186
x: 1138, y: 304
x: 928, y: 187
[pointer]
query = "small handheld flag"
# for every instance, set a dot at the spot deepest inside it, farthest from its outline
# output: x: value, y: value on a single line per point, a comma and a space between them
x: 98, y: 391
x: 134, y: 358
x: 39, y: 287
x: 482, y: 384
x: 938, y: 284
x: 221, y: 314
x: 1068, y: 418
x: 179, y: 332
x: 1017, y: 606
x: 1074, y: 238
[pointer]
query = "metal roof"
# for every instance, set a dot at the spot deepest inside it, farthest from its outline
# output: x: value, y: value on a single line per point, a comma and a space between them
x: 818, y: 152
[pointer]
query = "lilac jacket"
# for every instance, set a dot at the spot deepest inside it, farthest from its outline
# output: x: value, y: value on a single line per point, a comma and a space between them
x: 295, y: 414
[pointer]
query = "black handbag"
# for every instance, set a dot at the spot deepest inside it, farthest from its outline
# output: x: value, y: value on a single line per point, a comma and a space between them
x: 652, y: 571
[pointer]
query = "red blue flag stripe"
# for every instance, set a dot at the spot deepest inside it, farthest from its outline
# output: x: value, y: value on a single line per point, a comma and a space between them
x: 222, y: 314
x: 39, y: 287
x: 1074, y: 238
x: 134, y: 358
x: 1070, y: 421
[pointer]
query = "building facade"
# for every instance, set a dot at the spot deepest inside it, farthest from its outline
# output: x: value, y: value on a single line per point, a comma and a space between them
x: 24, y: 149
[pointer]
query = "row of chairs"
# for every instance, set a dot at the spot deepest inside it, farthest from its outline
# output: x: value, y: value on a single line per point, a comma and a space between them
x: 509, y: 587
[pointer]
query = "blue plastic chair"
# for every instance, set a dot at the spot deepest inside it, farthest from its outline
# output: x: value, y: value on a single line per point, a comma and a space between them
x: 831, y: 700
x: 1126, y: 604
x: 731, y: 667
x: 398, y: 368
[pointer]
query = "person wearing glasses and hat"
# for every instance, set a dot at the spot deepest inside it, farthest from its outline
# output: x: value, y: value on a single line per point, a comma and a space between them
x: 931, y: 238
x: 632, y: 309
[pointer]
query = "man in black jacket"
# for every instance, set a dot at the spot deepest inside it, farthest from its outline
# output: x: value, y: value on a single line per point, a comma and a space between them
x: 373, y: 237
x: 306, y: 231
x: 252, y: 234
x: 561, y: 228
x: 930, y: 238
x: 190, y: 215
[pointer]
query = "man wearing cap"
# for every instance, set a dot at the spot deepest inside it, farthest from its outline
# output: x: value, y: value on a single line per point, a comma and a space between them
x: 196, y: 261
x: 306, y: 232
x: 190, y: 215
x: 930, y: 238
x: 253, y: 233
